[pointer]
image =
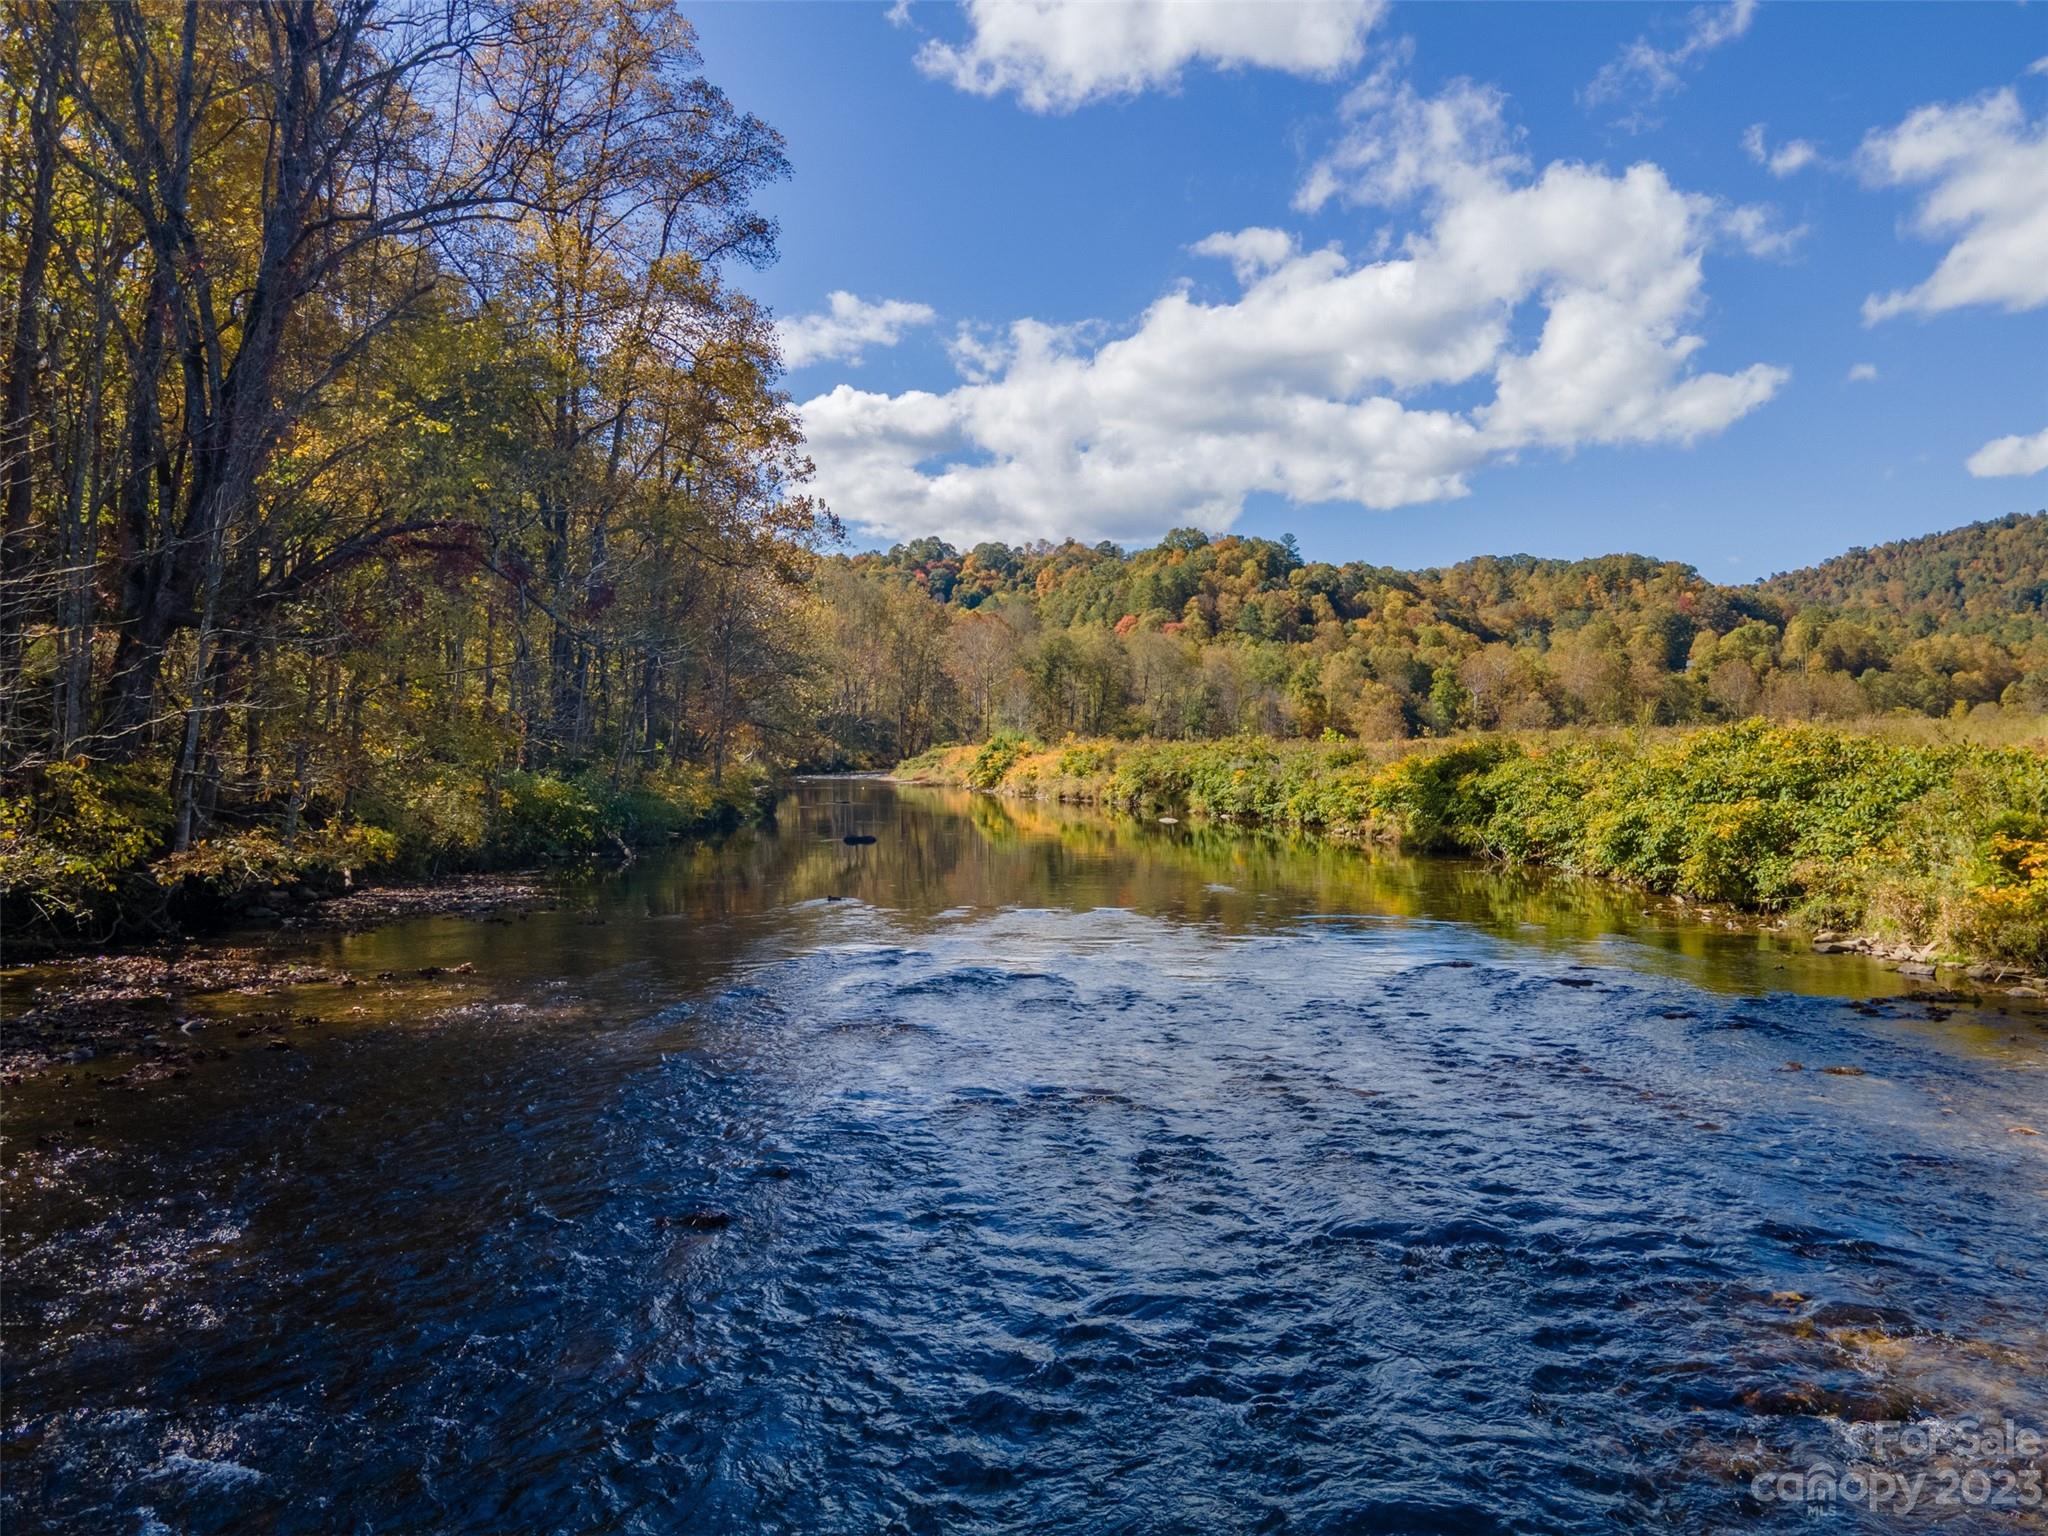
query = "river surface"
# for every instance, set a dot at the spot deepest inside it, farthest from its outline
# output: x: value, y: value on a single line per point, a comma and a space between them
x: 1028, y: 1170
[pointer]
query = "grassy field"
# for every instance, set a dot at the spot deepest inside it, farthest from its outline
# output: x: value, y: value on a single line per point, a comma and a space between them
x: 1922, y: 835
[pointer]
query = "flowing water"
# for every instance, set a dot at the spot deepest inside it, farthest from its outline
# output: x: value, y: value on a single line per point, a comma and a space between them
x: 1037, y: 1171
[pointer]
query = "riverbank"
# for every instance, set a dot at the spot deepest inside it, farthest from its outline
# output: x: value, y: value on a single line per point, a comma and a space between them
x: 86, y: 861
x: 1930, y: 855
x: 68, y: 1009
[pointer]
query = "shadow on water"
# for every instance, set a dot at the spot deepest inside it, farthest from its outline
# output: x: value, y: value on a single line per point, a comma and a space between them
x: 1030, y: 1169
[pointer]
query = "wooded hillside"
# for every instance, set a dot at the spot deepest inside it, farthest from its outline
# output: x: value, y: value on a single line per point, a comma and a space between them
x: 1204, y: 636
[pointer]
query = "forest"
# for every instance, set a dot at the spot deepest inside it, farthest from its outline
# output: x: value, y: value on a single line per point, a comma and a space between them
x: 1205, y: 637
x: 392, y: 460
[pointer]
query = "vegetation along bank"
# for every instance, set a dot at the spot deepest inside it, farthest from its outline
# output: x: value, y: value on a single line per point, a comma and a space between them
x: 1922, y: 850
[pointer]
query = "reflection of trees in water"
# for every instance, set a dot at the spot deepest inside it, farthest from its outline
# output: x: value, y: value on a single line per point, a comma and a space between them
x: 691, y: 916
x: 940, y: 849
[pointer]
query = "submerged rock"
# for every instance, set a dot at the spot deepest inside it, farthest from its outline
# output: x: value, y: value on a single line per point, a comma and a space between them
x: 696, y: 1221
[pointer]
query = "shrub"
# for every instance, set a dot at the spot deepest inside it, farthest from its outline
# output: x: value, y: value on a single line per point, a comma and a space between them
x: 2006, y: 914
x: 236, y: 863
x: 542, y: 816
x: 997, y: 756
x: 74, y: 834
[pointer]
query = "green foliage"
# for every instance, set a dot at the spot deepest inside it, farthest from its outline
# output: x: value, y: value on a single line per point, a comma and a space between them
x: 1936, y: 843
x: 1208, y: 638
x: 74, y: 833
x: 541, y: 816
x: 86, y: 846
x: 1086, y: 760
x: 1439, y: 799
x: 237, y: 863
x: 440, y: 815
x: 996, y: 758
x: 2006, y: 912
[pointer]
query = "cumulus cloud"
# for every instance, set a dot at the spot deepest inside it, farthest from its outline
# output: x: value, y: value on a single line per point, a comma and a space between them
x: 1788, y: 158
x: 846, y: 327
x: 1644, y: 70
x: 1056, y: 55
x: 1249, y: 251
x: 978, y: 353
x: 1985, y: 167
x: 1400, y: 144
x: 1862, y: 373
x: 1526, y: 311
x: 2010, y: 456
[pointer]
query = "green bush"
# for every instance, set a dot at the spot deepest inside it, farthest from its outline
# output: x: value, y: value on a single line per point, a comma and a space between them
x: 542, y: 816
x: 1934, y: 842
x: 72, y: 835
x: 236, y: 863
x: 84, y: 848
x: 1086, y: 760
x: 996, y: 758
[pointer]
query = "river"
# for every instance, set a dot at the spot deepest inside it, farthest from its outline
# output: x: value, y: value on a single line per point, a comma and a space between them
x: 1035, y: 1170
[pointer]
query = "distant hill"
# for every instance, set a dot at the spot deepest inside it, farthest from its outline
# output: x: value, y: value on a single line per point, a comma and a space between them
x: 1205, y: 635
x: 1986, y: 572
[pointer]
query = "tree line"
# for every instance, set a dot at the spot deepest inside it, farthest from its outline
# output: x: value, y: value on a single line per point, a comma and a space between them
x: 1203, y: 637
x: 382, y: 417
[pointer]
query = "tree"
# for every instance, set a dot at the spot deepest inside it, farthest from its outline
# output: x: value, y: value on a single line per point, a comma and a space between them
x: 379, y: 417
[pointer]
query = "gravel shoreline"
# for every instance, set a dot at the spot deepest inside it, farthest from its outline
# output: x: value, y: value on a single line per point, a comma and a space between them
x: 70, y: 1009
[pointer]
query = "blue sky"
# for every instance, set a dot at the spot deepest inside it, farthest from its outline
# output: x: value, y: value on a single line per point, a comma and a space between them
x: 1548, y: 290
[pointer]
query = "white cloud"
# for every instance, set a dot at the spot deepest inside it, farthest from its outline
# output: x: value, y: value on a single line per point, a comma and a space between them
x: 1326, y: 379
x: 2039, y: 66
x: 977, y: 354
x: 1862, y: 373
x: 1249, y: 251
x: 1400, y: 144
x: 847, y: 327
x: 1643, y: 69
x: 1985, y: 166
x: 1057, y: 55
x: 1756, y: 230
x: 2010, y: 456
x: 1792, y: 156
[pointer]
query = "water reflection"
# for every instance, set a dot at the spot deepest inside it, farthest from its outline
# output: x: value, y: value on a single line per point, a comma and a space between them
x: 942, y: 852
